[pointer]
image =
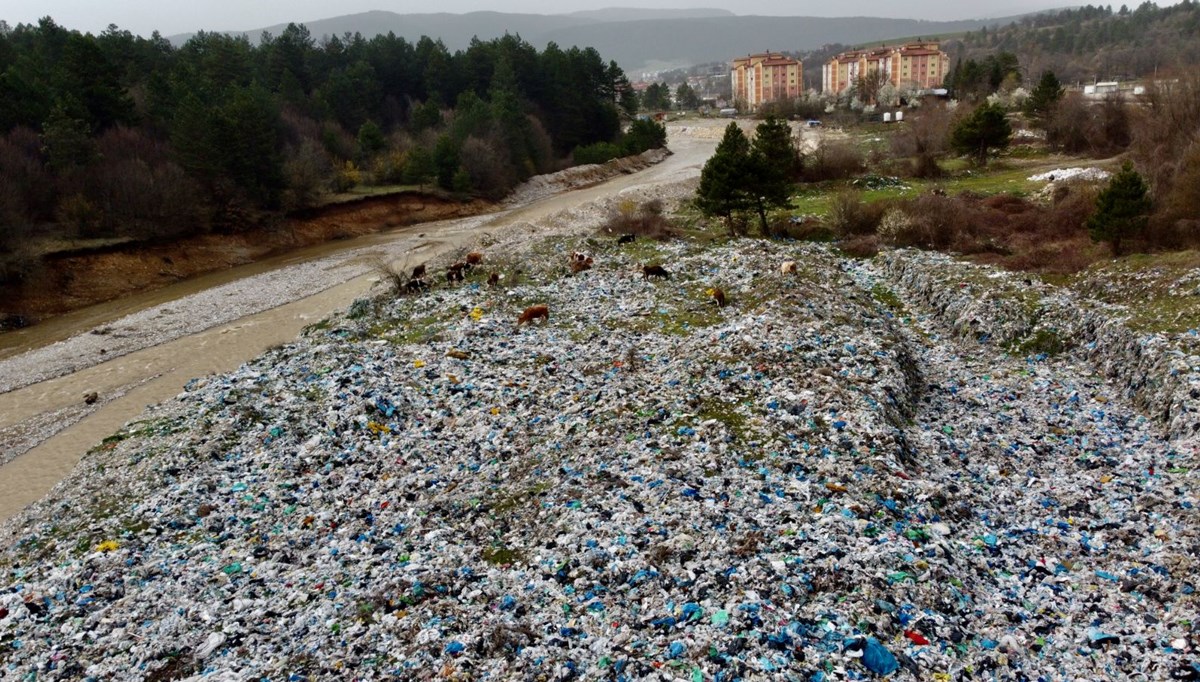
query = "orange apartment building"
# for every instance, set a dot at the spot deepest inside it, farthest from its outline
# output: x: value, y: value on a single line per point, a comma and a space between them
x: 916, y: 66
x: 766, y: 77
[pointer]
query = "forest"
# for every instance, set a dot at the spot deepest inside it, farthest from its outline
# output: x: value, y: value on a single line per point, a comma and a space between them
x: 1093, y: 43
x: 119, y: 136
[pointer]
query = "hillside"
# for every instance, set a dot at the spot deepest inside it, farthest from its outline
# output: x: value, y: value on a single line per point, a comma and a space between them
x: 635, y: 39
x: 1094, y: 43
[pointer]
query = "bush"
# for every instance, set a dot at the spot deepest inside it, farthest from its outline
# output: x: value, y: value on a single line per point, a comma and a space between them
x: 388, y: 168
x: 1121, y: 209
x: 646, y: 220
x: 490, y: 173
x: 1176, y: 224
x: 644, y: 134
x: 347, y: 177
x: 832, y: 161
x: 849, y: 215
x: 597, y: 152
x: 306, y: 171
x: 860, y: 246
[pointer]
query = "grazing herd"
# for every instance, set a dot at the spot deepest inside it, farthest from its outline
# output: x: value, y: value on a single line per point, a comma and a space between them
x: 577, y: 263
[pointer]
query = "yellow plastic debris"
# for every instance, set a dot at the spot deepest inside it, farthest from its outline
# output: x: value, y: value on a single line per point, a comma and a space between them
x: 107, y: 546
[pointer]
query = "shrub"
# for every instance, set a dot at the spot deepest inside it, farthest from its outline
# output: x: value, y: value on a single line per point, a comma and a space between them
x: 391, y: 275
x: 1176, y: 224
x: 832, y: 161
x: 1121, y: 209
x: 646, y: 220
x: 850, y: 215
x: 490, y: 174
x: 894, y: 226
x: 347, y: 177
x: 597, y: 152
x: 388, y: 168
x: 644, y: 134
x: 860, y: 246
x: 81, y: 215
x: 306, y: 172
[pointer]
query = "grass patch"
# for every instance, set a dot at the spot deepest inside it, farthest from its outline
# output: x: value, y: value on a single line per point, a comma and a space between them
x: 1042, y: 341
x: 502, y: 556
x: 1159, y: 291
x: 727, y: 414
x: 888, y: 299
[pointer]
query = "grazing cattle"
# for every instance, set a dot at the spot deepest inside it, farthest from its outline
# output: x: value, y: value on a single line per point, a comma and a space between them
x: 717, y: 296
x: 625, y: 239
x: 414, y: 285
x: 494, y: 279
x: 474, y: 258
x: 580, y: 262
x: 533, y: 312
x: 788, y: 268
x: 655, y: 270
x: 455, y: 272
x: 419, y: 272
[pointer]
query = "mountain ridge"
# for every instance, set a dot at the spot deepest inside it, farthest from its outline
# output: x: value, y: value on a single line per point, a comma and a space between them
x: 635, y: 43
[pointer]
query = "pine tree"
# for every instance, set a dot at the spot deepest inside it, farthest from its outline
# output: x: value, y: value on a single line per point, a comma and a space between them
x: 772, y: 164
x: 722, y: 180
x: 1044, y: 97
x: 1121, y: 209
x: 985, y: 129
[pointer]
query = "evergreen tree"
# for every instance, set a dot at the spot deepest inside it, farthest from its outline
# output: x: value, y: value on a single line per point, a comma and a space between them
x: 772, y: 165
x: 657, y: 97
x: 1044, y: 98
x: 445, y: 161
x: 1121, y: 209
x: 723, y: 179
x: 686, y: 98
x: 370, y: 139
x: 985, y: 129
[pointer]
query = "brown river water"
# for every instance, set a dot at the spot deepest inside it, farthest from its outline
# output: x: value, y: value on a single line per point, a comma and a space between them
x: 158, y: 372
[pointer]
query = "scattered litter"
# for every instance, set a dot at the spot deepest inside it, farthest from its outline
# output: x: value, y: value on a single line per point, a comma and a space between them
x: 817, y: 481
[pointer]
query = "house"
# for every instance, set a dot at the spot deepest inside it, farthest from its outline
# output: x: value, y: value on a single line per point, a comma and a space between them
x: 766, y: 77
x: 918, y: 65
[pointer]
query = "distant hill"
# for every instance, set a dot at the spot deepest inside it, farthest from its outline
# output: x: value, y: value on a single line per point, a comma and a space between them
x: 639, y: 14
x: 455, y: 30
x: 637, y: 39
x: 659, y: 42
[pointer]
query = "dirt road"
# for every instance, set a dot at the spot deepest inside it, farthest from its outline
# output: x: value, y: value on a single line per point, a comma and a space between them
x: 45, y: 425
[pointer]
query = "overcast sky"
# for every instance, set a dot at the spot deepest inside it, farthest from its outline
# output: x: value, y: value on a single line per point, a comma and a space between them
x: 183, y: 16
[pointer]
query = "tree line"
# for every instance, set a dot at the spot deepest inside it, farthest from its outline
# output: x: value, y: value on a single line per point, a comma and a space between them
x: 119, y: 135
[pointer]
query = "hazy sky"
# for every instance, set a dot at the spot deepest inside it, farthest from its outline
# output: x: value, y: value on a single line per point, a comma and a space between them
x: 182, y: 16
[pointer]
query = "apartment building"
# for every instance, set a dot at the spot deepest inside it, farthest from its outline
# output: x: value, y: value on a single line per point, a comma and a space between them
x: 913, y: 66
x: 766, y: 77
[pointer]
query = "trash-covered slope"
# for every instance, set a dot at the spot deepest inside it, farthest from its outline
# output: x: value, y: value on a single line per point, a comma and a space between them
x: 809, y: 483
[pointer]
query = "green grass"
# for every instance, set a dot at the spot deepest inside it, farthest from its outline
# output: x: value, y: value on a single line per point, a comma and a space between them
x: 1150, y: 288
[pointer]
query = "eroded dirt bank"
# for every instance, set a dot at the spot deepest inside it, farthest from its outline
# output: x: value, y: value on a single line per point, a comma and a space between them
x: 71, y: 281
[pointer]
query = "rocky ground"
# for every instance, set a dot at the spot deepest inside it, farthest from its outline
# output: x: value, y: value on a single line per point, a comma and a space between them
x: 903, y: 466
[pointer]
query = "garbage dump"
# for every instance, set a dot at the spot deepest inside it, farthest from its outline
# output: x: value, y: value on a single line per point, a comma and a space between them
x: 824, y: 478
